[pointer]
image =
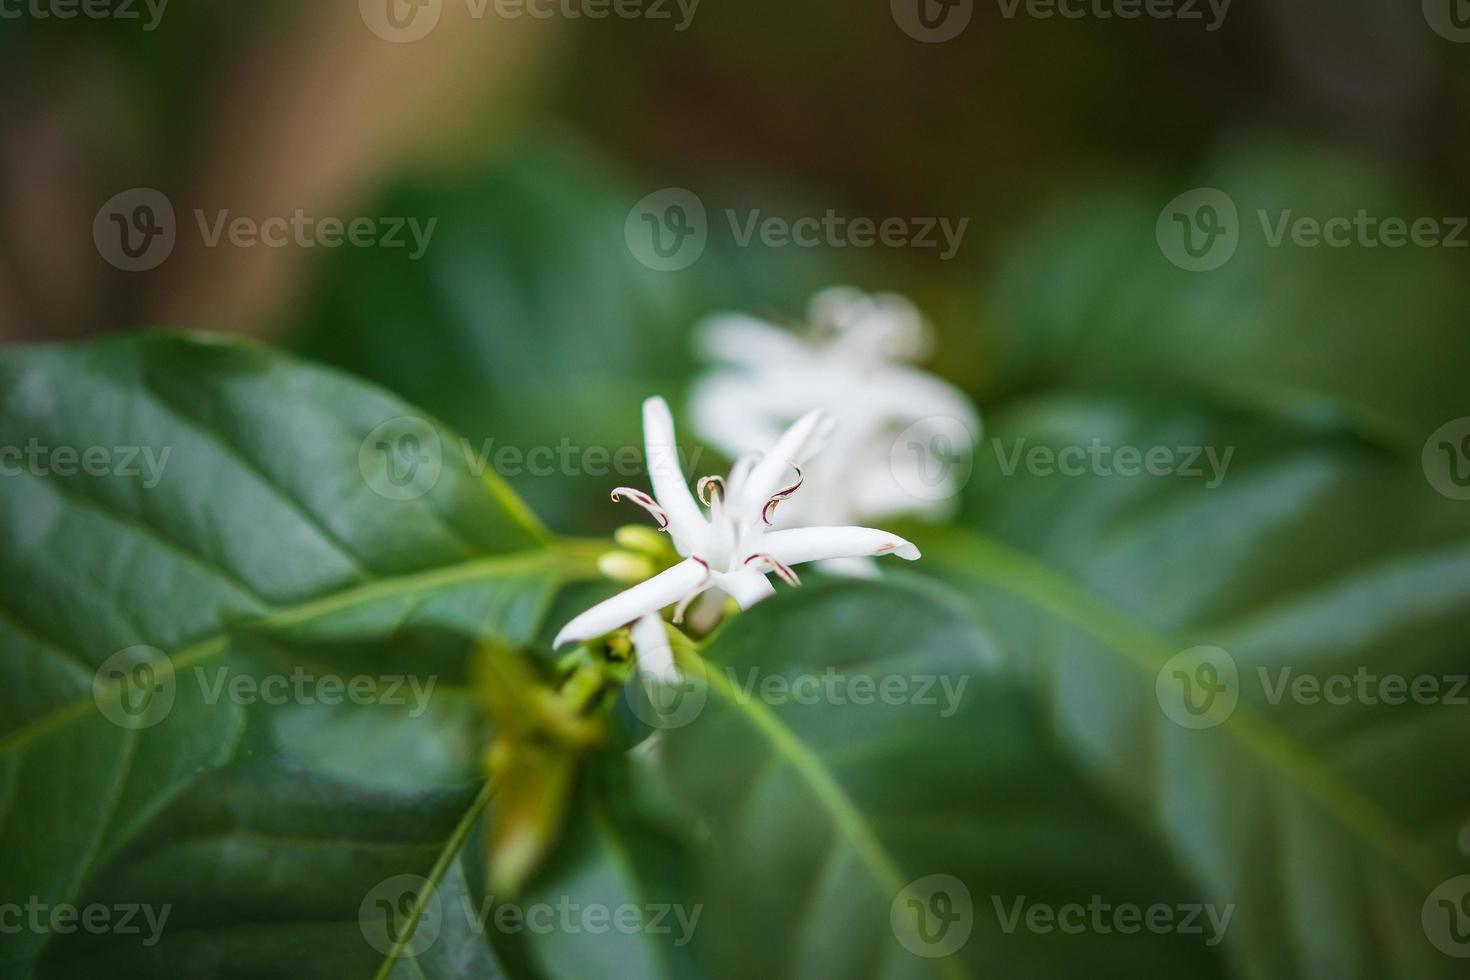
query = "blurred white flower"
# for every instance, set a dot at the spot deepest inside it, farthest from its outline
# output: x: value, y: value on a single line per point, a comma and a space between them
x: 730, y: 551
x: 902, y: 437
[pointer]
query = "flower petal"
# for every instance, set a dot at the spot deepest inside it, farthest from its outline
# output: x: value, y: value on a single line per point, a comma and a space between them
x: 795, y: 447
x: 665, y: 588
x: 686, y: 523
x: 655, y: 655
x: 730, y: 411
x: 908, y: 393
x: 739, y: 339
x: 748, y: 586
x: 804, y: 544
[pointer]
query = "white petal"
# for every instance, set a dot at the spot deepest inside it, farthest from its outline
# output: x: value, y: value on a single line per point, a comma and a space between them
x: 686, y: 523
x: 795, y: 447
x: 748, y: 586
x: 665, y: 588
x: 729, y: 413
x: 804, y: 544
x: 655, y: 655
x: 739, y: 339
x: 909, y: 393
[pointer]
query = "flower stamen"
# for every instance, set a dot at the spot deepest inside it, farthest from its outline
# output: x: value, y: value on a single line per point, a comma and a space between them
x: 782, y: 570
x: 783, y: 494
x: 646, y: 502
x: 708, y: 486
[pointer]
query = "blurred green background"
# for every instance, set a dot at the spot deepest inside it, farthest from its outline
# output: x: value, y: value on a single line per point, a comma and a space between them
x: 1060, y: 142
x: 529, y: 139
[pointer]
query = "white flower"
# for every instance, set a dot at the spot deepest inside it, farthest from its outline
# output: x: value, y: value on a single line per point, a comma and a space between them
x: 897, y: 427
x: 727, y: 546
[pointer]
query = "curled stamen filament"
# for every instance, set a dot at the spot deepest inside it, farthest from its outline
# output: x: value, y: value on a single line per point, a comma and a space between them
x: 709, y: 485
x: 646, y: 502
x: 781, y: 569
x: 683, y: 605
x: 784, y: 493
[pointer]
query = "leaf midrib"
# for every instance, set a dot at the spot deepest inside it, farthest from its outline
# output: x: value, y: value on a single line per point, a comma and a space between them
x: 1053, y: 591
x: 846, y: 818
x: 566, y: 555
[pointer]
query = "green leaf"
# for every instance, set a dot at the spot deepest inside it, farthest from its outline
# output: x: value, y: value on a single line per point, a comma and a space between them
x: 819, y: 814
x: 230, y: 491
x: 1328, y: 825
x: 1361, y: 333
x: 529, y: 325
x: 255, y: 867
x: 622, y: 879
